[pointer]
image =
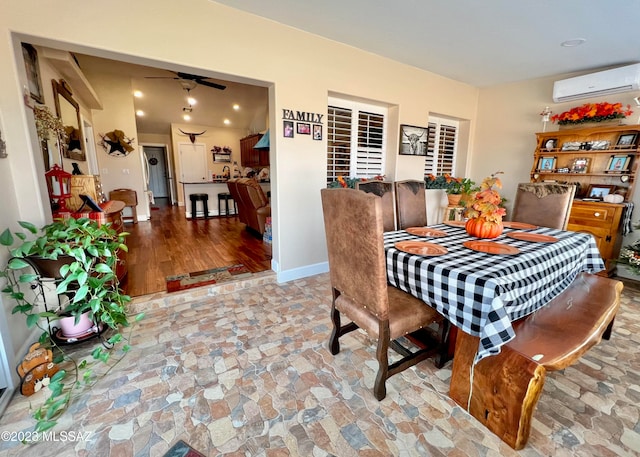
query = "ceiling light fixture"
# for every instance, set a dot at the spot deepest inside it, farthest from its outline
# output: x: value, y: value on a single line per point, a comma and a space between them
x: 191, y: 101
x: 186, y: 117
x: 139, y: 113
x: 573, y: 42
x: 137, y: 94
x: 227, y: 122
x: 236, y: 107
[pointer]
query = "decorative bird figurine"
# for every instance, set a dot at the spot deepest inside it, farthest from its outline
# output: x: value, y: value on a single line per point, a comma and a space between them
x: 192, y: 136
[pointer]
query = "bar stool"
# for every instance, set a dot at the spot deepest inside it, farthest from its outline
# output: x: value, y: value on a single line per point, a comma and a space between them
x: 226, y: 196
x: 204, y: 198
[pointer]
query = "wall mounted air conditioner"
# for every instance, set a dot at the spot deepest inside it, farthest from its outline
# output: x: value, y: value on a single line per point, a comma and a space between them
x: 616, y: 80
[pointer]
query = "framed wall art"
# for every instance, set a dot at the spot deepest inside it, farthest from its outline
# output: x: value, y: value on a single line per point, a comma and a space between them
x: 317, y: 132
x: 547, y: 163
x: 288, y: 129
x: 618, y: 164
x: 303, y: 128
x: 413, y: 140
x: 551, y: 144
x: 30, y: 56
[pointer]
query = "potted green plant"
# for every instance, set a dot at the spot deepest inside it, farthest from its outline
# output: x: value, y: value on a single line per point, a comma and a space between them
x: 85, y: 257
x: 456, y: 188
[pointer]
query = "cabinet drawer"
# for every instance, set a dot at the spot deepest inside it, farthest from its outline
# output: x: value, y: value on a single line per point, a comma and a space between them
x: 593, y: 216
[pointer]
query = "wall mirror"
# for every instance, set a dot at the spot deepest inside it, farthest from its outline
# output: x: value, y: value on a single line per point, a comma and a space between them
x: 68, y: 110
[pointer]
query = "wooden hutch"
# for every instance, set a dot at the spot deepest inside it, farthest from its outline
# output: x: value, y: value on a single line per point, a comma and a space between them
x: 600, y: 161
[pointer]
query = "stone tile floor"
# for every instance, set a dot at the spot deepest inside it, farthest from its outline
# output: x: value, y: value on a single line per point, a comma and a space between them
x: 244, y: 370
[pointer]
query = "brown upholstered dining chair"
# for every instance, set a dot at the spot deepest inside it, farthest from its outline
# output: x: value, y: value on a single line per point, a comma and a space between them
x: 384, y: 190
x: 411, y: 204
x: 358, y: 275
x: 544, y: 204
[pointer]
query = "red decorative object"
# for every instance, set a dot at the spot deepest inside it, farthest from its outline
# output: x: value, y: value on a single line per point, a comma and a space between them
x: 480, y: 227
x: 59, y: 187
x: 592, y: 112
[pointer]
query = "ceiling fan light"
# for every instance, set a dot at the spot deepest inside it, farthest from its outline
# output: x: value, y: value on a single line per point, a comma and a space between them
x: 191, y: 100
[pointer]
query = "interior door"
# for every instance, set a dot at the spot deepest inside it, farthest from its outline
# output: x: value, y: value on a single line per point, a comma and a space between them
x: 193, y: 162
x: 156, y: 159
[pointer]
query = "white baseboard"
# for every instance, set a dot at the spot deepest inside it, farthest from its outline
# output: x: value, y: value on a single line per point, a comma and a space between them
x: 302, y: 272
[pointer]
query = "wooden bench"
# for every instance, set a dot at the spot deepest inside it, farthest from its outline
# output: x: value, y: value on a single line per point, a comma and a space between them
x: 507, y: 386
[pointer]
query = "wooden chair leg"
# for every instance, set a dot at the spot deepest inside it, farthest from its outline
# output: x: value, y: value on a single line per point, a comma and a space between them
x: 444, y: 331
x: 334, y: 343
x: 382, y: 354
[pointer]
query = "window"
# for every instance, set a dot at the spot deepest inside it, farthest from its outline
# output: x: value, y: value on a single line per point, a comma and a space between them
x: 356, y: 139
x: 442, y: 146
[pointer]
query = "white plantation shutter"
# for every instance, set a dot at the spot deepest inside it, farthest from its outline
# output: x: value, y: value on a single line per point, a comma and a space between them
x: 356, y: 138
x: 370, y: 146
x: 441, y: 147
x: 338, y: 143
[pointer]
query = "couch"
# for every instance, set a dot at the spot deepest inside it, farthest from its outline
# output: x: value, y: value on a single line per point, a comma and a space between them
x: 253, y: 204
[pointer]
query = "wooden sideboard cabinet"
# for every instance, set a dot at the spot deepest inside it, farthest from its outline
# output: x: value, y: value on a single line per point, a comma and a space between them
x: 603, y: 221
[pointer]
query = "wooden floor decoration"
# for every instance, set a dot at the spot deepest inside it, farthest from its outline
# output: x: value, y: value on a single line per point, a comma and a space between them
x: 206, y: 277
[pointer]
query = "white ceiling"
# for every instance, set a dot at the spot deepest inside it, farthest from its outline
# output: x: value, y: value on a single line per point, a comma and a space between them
x: 479, y: 42
x: 163, y: 100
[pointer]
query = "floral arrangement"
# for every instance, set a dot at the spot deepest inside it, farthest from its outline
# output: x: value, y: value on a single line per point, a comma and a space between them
x: 46, y: 122
x: 351, y: 182
x: 630, y: 256
x: 487, y: 202
x: 592, y: 112
x: 450, y: 184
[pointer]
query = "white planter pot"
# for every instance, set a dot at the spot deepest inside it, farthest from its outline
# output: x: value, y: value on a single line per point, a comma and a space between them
x: 71, y: 329
x: 437, y: 202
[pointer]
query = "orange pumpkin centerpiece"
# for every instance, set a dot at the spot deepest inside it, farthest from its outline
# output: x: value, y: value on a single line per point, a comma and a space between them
x: 484, y: 211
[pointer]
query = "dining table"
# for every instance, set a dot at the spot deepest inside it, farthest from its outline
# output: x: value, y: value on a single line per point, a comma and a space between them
x: 483, y: 285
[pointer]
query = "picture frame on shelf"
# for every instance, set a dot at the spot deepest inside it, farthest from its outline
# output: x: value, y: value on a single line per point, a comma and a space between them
x: 571, y: 146
x: 599, y: 191
x: 413, y: 140
x: 627, y: 140
x: 34, y: 82
x: 580, y: 165
x: 547, y: 163
x: 550, y: 144
x: 618, y: 164
x: 599, y: 145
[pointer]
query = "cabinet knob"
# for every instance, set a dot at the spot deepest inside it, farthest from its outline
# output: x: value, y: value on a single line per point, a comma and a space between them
x: 596, y: 214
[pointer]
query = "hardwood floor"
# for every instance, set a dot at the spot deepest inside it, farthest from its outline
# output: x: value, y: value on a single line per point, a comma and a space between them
x: 171, y: 244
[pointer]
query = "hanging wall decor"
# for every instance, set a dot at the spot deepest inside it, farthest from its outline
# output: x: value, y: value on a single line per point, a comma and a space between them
x: 116, y: 143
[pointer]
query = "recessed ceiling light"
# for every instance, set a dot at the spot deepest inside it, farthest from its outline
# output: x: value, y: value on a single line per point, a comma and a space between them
x: 137, y: 94
x: 236, y: 107
x: 573, y: 43
x: 186, y: 117
x: 139, y: 113
x: 227, y: 122
x: 191, y: 100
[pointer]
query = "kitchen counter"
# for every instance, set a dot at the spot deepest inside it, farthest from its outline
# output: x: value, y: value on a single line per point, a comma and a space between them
x: 211, y: 188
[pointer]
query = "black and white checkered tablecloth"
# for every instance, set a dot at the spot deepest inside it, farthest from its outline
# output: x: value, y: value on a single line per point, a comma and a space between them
x: 483, y: 293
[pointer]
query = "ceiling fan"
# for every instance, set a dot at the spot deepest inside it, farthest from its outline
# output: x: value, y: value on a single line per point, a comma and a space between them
x: 189, y: 81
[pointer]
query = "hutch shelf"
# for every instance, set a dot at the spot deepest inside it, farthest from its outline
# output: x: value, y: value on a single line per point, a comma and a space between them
x: 600, y: 161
